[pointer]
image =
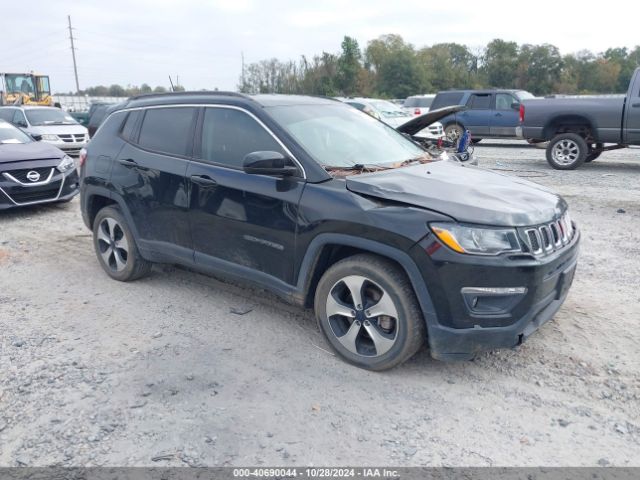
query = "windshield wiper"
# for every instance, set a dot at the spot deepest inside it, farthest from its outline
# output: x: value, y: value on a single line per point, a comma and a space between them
x: 358, y: 167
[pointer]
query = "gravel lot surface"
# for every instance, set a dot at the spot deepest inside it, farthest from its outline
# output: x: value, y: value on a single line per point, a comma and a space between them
x: 160, y: 372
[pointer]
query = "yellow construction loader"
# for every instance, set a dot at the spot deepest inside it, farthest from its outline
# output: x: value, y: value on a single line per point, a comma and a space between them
x: 25, y: 89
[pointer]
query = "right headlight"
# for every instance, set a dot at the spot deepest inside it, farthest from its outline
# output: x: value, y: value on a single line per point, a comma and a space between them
x: 477, y: 240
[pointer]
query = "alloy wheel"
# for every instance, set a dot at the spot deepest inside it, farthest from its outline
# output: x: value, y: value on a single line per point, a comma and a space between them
x: 362, y: 316
x: 112, y: 244
x: 566, y: 152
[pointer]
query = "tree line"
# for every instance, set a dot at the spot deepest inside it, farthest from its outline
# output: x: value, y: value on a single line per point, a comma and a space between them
x: 390, y: 67
x: 128, y: 91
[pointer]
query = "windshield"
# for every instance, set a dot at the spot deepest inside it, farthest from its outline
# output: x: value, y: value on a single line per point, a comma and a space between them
x: 341, y: 136
x: 388, y: 109
x: 524, y: 95
x: 49, y: 116
x: 10, y: 134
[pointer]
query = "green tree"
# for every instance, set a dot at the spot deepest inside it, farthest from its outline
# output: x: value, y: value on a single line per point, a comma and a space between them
x: 539, y: 67
x: 500, y: 63
x: 349, y: 66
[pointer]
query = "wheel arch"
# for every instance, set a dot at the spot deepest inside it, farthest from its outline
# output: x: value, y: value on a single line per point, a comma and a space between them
x: 329, y: 248
x: 582, y: 125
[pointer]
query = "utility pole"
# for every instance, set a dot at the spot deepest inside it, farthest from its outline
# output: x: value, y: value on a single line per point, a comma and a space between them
x: 73, y: 54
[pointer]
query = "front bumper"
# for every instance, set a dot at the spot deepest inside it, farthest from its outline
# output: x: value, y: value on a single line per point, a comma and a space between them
x: 54, y: 186
x: 456, y: 333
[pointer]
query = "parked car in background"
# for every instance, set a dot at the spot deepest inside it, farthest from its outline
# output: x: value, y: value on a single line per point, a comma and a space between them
x: 392, y: 114
x: 33, y: 172
x: 489, y: 114
x: 97, y: 113
x: 419, y: 104
x: 50, y: 124
x: 331, y: 210
x: 577, y: 129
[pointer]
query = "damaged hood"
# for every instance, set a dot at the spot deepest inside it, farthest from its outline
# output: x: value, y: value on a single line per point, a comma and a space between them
x: 416, y: 124
x: 468, y: 194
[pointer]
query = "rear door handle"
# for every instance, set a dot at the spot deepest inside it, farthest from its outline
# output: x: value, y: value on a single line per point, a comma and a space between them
x: 635, y: 105
x: 131, y: 163
x: 128, y: 162
x: 204, y: 180
x: 498, y: 114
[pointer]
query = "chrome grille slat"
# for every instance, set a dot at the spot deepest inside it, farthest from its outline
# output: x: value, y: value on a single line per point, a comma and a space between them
x: 549, y: 237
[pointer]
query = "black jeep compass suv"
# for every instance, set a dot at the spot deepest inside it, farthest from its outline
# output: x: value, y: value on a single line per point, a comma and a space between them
x: 333, y: 210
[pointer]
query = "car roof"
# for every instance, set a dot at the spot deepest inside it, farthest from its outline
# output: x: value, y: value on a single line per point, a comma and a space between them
x: 30, y: 107
x: 484, y: 90
x: 264, y: 100
x: 424, y: 95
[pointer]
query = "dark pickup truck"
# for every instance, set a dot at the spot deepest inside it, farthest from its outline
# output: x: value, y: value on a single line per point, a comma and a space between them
x: 577, y: 129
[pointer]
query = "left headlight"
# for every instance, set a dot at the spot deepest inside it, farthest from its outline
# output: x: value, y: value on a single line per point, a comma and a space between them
x: 477, y: 240
x: 66, y: 164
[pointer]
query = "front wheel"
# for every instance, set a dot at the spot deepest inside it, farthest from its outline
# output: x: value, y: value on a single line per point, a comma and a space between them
x: 367, y: 310
x: 567, y: 151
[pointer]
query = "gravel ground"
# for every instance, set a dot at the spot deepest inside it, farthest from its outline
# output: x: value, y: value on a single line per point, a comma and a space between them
x: 160, y: 372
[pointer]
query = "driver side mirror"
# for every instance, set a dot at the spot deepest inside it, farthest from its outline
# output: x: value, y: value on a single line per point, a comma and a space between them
x: 515, y: 105
x: 268, y: 163
x: 36, y: 137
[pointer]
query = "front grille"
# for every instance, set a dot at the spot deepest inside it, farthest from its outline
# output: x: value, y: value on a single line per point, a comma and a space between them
x: 73, y: 138
x: 71, y: 151
x: 21, y: 175
x: 36, y: 194
x: 551, y: 236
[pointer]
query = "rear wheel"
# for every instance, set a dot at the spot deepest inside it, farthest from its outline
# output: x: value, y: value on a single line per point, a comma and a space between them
x: 116, y: 248
x: 594, y: 152
x: 567, y: 151
x: 367, y: 310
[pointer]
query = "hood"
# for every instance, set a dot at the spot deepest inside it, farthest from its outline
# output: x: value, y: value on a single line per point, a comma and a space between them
x: 58, y: 129
x: 416, y: 124
x: 468, y: 194
x: 18, y: 152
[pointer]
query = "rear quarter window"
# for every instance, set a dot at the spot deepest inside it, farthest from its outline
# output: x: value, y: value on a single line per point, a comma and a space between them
x: 446, y: 99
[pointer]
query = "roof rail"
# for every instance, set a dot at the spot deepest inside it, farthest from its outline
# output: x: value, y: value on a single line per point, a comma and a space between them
x: 197, y: 92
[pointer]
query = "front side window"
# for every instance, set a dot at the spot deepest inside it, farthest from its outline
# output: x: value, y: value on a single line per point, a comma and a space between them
x: 479, y: 102
x: 6, y: 114
x: 18, y: 119
x: 167, y: 130
x: 339, y: 136
x: 228, y: 135
x: 504, y: 101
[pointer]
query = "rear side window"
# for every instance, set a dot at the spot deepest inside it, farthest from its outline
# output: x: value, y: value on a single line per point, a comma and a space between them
x: 228, y: 135
x: 479, y: 102
x: 446, y: 99
x: 129, y: 127
x: 167, y: 130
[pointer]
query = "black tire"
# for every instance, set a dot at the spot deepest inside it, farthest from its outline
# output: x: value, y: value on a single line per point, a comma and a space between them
x: 111, y: 233
x: 567, y: 151
x: 453, y: 132
x: 594, y: 153
x: 403, y: 335
x: 476, y: 140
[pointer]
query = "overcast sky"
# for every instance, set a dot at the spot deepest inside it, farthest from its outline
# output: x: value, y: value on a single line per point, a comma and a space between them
x: 138, y: 41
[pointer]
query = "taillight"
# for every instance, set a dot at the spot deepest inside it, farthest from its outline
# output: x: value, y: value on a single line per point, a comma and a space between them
x: 521, y: 113
x: 416, y: 111
x: 83, y: 156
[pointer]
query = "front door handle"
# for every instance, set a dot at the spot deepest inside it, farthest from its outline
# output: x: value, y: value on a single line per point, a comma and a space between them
x: 498, y: 114
x: 204, y: 180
